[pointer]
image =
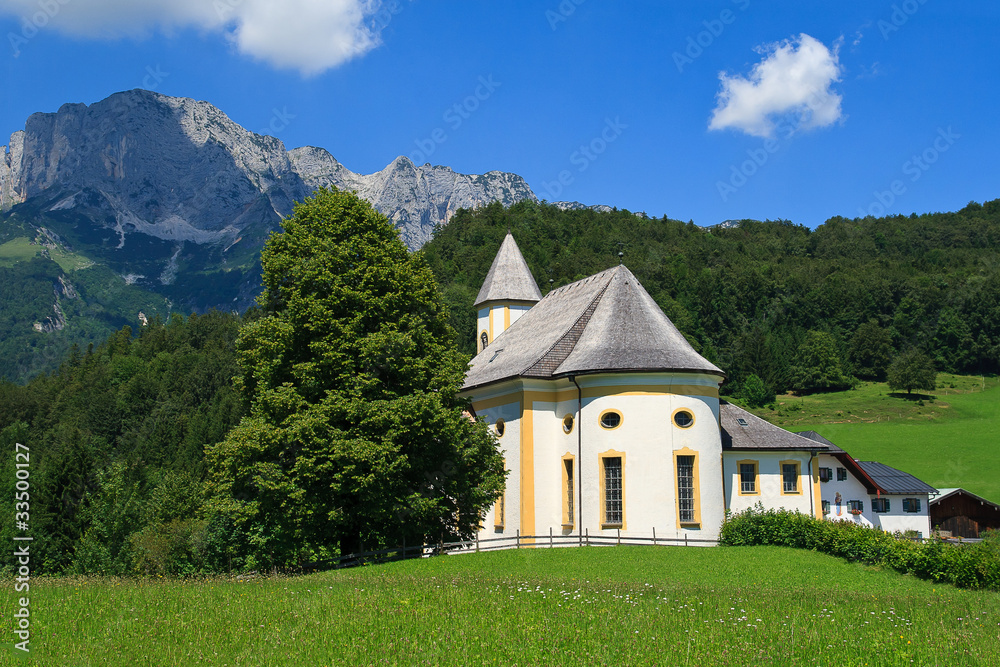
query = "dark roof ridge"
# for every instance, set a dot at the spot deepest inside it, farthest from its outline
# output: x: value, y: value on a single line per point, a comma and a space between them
x: 563, y: 347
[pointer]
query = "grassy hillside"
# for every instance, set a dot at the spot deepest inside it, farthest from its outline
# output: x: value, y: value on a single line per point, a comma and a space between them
x: 947, y: 438
x: 594, y: 606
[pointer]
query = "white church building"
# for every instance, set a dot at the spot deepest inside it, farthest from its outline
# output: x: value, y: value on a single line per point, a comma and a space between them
x: 611, y: 423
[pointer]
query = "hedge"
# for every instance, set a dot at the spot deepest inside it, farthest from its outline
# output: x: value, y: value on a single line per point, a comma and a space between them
x: 969, y: 565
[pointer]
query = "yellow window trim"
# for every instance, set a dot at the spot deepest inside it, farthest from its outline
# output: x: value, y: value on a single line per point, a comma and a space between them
x: 498, y: 507
x: 798, y: 475
x: 572, y: 423
x: 673, y: 417
x: 568, y: 519
x: 621, y: 419
x: 687, y: 451
x: 611, y: 454
x: 756, y: 475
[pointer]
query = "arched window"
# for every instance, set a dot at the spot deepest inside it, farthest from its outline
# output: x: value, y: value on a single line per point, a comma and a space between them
x: 484, y: 340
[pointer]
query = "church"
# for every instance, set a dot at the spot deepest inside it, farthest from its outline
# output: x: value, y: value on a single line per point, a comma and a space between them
x: 610, y: 422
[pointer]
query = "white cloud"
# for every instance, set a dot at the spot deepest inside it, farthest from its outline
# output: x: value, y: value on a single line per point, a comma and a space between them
x: 308, y: 35
x: 792, y: 82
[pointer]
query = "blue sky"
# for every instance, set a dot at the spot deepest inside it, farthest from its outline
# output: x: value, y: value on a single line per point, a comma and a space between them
x: 702, y: 110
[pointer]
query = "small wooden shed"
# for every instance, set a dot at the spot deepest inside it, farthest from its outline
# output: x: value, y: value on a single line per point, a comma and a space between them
x: 963, y: 513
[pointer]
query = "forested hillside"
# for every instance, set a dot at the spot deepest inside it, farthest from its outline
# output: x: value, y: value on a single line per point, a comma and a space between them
x: 118, y: 433
x: 766, y: 298
x: 117, y: 438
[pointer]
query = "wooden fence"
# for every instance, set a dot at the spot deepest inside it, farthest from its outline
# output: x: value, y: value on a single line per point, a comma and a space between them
x: 517, y: 541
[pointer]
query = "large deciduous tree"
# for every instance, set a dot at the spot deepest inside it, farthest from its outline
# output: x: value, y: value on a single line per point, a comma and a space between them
x: 355, y: 435
x: 911, y: 370
x: 819, y: 367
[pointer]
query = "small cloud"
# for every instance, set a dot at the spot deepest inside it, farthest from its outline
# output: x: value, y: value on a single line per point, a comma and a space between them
x: 860, y: 34
x: 308, y: 35
x: 793, y: 80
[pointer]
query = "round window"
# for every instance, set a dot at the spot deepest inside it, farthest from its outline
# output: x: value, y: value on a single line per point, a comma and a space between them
x: 683, y: 418
x: 611, y: 419
x: 499, y: 426
x: 567, y: 423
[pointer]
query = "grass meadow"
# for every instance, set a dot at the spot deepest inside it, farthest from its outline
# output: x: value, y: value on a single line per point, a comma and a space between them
x: 949, y: 438
x: 21, y: 249
x: 592, y: 606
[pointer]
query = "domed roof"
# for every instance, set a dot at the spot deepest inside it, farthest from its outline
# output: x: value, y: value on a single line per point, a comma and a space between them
x: 604, y: 323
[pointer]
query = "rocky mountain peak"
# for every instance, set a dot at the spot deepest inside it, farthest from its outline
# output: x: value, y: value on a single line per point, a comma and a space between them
x: 180, y: 170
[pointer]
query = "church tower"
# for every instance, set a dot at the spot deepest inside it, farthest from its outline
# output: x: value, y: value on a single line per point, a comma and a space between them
x: 508, y: 292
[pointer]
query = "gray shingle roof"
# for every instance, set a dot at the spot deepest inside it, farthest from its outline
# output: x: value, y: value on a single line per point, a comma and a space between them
x: 604, y: 323
x: 891, y: 480
x: 757, y: 433
x: 509, y: 278
x: 813, y: 435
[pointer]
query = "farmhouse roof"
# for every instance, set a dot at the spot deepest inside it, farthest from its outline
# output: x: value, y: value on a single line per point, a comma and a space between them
x: 813, y: 435
x: 894, y: 481
x: 944, y: 494
x: 744, y: 430
x: 604, y: 323
x: 509, y: 278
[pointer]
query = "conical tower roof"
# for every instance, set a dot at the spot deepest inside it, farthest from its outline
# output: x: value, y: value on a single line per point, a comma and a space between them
x: 509, y: 278
x: 602, y: 324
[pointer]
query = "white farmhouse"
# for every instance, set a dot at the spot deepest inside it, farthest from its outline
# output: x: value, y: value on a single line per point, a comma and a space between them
x: 611, y: 423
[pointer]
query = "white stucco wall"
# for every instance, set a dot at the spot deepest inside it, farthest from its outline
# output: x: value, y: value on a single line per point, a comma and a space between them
x: 770, y: 489
x: 849, y: 489
x: 647, y: 440
x: 898, y: 520
x: 510, y: 413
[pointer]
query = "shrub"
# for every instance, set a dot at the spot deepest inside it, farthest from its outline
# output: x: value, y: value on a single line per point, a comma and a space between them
x: 975, y: 566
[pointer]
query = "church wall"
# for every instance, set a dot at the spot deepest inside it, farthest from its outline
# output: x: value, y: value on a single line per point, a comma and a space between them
x: 646, y: 440
x: 509, y: 443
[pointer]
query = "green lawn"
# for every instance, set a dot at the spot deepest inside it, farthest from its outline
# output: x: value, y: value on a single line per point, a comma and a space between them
x: 593, y: 606
x: 952, y: 439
